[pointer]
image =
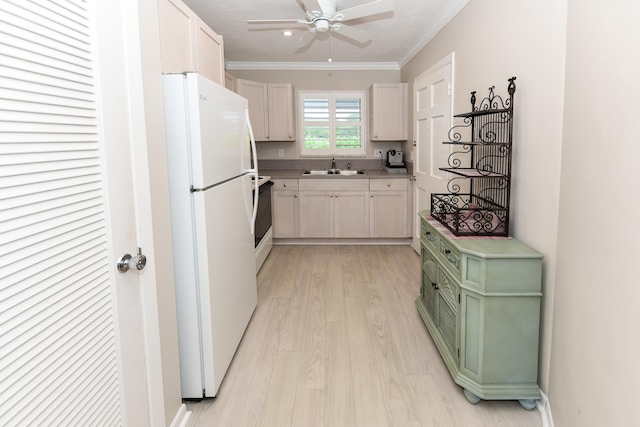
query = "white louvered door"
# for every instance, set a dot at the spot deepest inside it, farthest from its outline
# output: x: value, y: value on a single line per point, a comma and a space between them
x: 71, y: 340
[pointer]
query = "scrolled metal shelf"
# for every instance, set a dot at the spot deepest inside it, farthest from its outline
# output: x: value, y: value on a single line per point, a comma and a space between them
x: 478, y: 113
x: 474, y: 173
x: 505, y: 143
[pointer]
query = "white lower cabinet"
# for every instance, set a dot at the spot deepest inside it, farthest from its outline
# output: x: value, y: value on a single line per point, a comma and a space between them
x: 334, y: 208
x: 388, y: 208
x: 284, y: 208
x: 340, y: 208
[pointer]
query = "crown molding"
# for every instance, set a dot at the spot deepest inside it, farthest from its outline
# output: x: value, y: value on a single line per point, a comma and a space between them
x: 443, y: 18
x: 313, y: 66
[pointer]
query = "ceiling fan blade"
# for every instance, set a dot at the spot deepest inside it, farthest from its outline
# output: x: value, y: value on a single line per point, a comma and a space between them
x: 306, y: 39
x: 274, y: 21
x: 352, y: 33
x: 367, y: 9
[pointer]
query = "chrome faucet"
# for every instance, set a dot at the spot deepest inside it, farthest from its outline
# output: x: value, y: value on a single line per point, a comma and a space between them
x: 333, y: 164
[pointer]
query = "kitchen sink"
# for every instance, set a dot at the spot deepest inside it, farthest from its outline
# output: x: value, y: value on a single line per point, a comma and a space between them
x: 352, y: 172
x: 333, y: 172
x: 321, y: 172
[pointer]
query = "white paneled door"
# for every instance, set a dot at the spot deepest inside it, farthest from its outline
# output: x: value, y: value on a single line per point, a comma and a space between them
x: 71, y: 330
x: 433, y: 94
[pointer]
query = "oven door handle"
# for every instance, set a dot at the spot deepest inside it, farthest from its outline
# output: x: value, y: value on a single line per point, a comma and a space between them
x: 265, y: 185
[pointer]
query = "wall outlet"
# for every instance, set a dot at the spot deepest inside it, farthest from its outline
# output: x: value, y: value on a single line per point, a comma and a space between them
x: 280, y: 152
x: 377, y: 153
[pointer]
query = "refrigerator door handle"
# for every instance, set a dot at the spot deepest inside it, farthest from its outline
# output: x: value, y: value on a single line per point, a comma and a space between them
x: 253, y: 172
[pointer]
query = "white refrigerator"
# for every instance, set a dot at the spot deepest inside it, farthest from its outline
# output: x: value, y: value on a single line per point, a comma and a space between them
x: 209, y: 151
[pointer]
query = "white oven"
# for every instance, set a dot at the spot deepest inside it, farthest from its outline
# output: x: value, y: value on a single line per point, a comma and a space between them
x: 263, y: 233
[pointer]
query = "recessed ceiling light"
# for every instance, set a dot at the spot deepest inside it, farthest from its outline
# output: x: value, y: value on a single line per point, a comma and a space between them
x: 287, y: 33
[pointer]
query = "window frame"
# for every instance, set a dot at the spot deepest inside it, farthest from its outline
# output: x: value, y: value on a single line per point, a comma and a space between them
x: 333, y: 150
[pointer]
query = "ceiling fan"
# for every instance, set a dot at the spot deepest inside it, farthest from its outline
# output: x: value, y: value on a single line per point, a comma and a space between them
x: 323, y: 15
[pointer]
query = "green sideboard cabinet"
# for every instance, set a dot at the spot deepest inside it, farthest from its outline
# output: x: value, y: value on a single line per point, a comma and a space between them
x: 480, y: 301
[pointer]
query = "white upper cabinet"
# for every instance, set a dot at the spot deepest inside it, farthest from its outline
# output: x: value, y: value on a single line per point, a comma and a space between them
x: 271, y: 109
x: 281, y: 113
x: 176, y: 44
x: 230, y: 82
x: 188, y: 44
x: 256, y: 94
x: 389, y: 111
x: 209, y: 52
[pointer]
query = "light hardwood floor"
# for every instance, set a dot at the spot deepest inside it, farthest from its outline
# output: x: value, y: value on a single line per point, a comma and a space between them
x: 336, y: 340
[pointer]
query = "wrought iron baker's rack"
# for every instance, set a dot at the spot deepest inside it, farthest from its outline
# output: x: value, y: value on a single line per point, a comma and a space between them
x: 480, y: 166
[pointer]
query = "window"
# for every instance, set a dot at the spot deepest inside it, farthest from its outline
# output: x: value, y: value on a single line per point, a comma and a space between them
x: 332, y: 123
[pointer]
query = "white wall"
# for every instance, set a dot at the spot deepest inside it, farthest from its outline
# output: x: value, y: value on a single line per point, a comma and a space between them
x: 593, y: 378
x: 494, y: 40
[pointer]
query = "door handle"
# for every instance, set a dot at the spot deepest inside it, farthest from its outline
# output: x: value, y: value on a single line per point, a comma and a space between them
x: 127, y: 262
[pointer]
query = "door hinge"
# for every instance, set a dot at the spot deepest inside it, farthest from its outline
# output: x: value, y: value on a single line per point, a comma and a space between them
x: 459, y: 301
x: 415, y: 144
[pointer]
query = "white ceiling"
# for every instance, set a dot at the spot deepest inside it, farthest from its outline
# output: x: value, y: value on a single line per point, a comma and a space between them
x: 396, y: 36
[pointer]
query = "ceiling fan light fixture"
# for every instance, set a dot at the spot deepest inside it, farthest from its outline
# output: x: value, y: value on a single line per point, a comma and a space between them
x: 322, y: 25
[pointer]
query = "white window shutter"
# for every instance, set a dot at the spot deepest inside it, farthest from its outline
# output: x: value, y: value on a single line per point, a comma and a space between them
x: 58, y: 361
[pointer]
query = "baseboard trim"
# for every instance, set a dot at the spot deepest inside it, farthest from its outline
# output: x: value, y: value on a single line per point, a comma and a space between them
x: 182, y: 417
x: 544, y: 407
x: 345, y: 241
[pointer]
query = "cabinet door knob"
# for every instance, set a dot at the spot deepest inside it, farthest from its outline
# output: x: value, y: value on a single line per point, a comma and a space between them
x: 284, y: 185
x: 388, y: 184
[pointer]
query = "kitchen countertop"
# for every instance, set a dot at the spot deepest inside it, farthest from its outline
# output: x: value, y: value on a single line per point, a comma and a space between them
x: 297, y: 173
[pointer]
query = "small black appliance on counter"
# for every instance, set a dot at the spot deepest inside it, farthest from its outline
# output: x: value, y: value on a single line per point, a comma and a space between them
x: 395, y: 164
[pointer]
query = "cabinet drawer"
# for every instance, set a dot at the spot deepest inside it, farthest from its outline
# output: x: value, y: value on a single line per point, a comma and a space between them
x: 285, y: 184
x: 388, y: 184
x: 451, y: 256
x: 428, y: 235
